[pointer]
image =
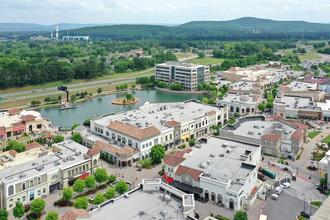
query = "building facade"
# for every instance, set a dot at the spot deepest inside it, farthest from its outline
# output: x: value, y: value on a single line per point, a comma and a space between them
x: 188, y: 74
x: 38, y: 172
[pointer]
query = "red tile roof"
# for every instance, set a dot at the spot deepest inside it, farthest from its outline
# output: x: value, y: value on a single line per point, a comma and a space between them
x: 132, y: 131
x: 122, y: 152
x: 14, y: 111
x: 28, y: 117
x: 297, y: 134
x: 316, y: 80
x: 232, y: 69
x: 48, y: 136
x: 300, y: 125
x: 13, y: 152
x: 190, y: 171
x: 173, y: 160
x: 73, y: 214
x: 272, y: 137
x: 172, y: 123
x: 34, y: 144
x: 210, y: 112
x: 94, y: 151
x: 256, y: 85
x: 181, y: 153
x: 276, y: 116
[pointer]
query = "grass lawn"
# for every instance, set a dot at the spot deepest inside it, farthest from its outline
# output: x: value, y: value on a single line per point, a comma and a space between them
x: 313, y: 134
x: 316, y: 203
x: 326, y: 139
x: 318, y: 156
x: 309, y: 57
x: 206, y: 60
x: 231, y: 121
x: 182, y: 55
x: 76, y: 81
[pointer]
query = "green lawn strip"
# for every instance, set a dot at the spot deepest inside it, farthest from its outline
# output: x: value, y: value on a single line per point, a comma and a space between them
x: 326, y: 139
x: 316, y: 203
x: 309, y: 57
x: 206, y: 60
x: 313, y: 134
x: 182, y: 55
x: 75, y: 81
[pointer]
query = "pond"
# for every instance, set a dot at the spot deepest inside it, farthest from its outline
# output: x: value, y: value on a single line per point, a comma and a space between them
x: 102, y: 105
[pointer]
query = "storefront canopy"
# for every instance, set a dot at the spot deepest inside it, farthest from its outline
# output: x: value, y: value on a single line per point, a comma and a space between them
x: 169, y: 179
x: 187, y: 188
x: 84, y: 176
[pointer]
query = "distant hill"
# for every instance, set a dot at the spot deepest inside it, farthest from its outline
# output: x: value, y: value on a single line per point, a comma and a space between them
x: 31, y: 27
x: 247, y: 28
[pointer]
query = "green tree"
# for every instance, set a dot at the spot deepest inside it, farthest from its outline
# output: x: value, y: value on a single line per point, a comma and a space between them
x: 101, y: 175
x: 192, y: 142
x: 270, y: 98
x: 117, y: 87
x: 236, y: 114
x: 4, y: 214
x: 59, y: 98
x: 240, y: 215
x: 124, y: 101
x: 121, y: 187
x: 99, y: 90
x: 269, y: 105
x: 73, y: 98
x: 79, y: 185
x: 77, y: 137
x: 111, y: 193
x: 205, y: 100
x: 129, y: 96
x: 133, y: 85
x: 90, y: 181
x: 87, y: 122
x: 37, y: 206
x: 52, y: 215
x: 99, y: 198
x: 47, y: 99
x: 35, y: 102
x: 67, y: 193
x: 261, y: 107
x: 125, y: 86
x: 199, y: 86
x: 18, y: 210
x: 201, y: 54
x: 215, y: 94
x: 112, y: 178
x: 74, y: 126
x: 81, y: 203
x: 58, y: 138
x: 157, y: 153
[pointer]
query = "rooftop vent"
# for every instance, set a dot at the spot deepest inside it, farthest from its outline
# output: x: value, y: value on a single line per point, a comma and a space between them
x: 203, y: 165
x: 212, y: 155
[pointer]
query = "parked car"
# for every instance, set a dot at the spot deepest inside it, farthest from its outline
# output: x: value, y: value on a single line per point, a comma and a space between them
x: 261, y: 176
x: 278, y: 190
x: 274, y: 196
x: 304, y: 214
x: 285, y: 185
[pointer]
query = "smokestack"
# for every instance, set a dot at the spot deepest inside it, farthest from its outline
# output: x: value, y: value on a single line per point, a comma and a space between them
x: 56, y: 31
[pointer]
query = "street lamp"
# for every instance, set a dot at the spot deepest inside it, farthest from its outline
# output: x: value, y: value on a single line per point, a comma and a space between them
x: 304, y: 204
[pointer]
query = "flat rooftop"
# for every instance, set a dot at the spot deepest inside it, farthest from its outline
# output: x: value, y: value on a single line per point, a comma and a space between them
x: 69, y: 153
x: 148, y: 202
x: 238, y: 98
x: 180, y: 64
x: 258, y: 128
x: 295, y: 102
x: 159, y: 113
x: 8, y: 120
x: 221, y: 159
x: 242, y: 85
x: 302, y: 86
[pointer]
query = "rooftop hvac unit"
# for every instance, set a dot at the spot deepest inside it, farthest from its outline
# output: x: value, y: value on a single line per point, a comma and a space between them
x: 161, y: 196
x: 209, y: 162
x: 141, y: 212
x: 168, y: 198
x: 163, y: 213
x: 203, y: 165
x: 212, y: 155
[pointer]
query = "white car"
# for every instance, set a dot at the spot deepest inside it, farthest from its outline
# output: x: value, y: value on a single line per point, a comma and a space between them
x: 278, y: 190
x: 285, y: 185
x: 274, y: 196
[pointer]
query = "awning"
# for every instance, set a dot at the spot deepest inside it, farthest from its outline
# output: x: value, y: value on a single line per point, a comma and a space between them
x: 183, y: 138
x: 169, y: 179
x: 187, y: 136
x: 2, y: 133
x: 136, y: 156
x: 16, y: 129
x: 187, y: 188
x: 21, y: 128
x: 84, y: 176
x: 164, y: 176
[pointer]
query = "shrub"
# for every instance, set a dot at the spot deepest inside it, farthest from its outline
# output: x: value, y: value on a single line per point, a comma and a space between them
x: 112, y: 178
x: 111, y: 193
x: 27, y: 208
x: 161, y: 172
x: 192, y: 142
x: 99, y: 198
x: 182, y: 146
x: 63, y: 203
x: 81, y: 203
x: 121, y: 187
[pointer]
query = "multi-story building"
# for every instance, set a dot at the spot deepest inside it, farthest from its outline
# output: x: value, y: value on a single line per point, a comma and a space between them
x: 188, y: 74
x: 132, y: 134
x: 15, y: 122
x: 32, y: 174
x: 240, y: 103
x: 216, y: 169
x: 298, y: 107
x: 302, y: 89
x: 277, y: 136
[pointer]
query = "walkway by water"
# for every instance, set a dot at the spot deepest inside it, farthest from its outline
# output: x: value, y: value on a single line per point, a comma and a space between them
x: 102, y: 105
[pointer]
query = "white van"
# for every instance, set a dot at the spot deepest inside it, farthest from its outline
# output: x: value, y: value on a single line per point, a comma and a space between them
x: 278, y: 190
x: 285, y: 185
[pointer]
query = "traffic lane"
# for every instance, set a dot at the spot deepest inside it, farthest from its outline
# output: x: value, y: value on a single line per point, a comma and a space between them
x: 76, y: 85
x: 286, y: 207
x: 57, y: 92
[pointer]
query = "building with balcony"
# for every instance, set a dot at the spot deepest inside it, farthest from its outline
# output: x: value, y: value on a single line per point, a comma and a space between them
x: 37, y: 172
x: 219, y: 170
x: 130, y: 135
x: 188, y: 74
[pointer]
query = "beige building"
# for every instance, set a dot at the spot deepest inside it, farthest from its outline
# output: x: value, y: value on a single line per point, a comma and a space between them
x: 35, y: 173
x: 188, y: 74
x: 15, y: 122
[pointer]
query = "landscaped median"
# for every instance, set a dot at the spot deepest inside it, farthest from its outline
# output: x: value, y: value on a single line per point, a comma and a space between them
x: 313, y: 134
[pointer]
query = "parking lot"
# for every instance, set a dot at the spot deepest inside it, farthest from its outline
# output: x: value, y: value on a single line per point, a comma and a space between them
x: 286, y: 207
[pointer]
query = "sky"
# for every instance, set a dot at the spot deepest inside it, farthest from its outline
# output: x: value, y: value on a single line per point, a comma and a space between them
x: 159, y: 11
